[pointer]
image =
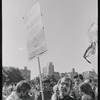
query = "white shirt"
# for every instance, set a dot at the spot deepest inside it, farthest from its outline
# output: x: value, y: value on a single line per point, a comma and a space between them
x: 13, y: 96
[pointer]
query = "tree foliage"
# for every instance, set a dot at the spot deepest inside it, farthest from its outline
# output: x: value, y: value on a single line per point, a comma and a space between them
x: 4, y: 77
x: 14, y: 75
x: 36, y: 80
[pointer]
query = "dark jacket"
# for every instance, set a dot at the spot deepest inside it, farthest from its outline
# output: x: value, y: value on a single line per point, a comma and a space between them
x: 67, y: 98
x: 47, y: 96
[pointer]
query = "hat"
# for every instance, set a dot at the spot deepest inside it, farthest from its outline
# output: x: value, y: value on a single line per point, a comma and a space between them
x: 86, y: 88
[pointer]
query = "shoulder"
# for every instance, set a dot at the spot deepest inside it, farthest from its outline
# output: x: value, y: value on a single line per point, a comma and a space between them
x: 13, y: 96
x: 10, y: 98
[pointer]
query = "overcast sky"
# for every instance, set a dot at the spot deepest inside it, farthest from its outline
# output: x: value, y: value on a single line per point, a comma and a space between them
x: 65, y: 25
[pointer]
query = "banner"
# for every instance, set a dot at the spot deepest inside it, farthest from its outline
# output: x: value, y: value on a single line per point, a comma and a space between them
x: 35, y: 37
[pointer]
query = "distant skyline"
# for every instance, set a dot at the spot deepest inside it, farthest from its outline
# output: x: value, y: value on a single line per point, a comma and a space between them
x: 65, y: 23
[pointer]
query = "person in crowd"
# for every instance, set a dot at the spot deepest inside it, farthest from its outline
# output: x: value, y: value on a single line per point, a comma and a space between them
x: 96, y: 93
x: 9, y: 90
x: 78, y: 79
x: 46, y: 91
x: 31, y: 94
x: 55, y: 95
x: 92, y: 83
x: 4, y: 88
x: 13, y: 85
x: 21, y: 90
x: 86, y: 91
x: 64, y: 87
x: 95, y: 87
x: 89, y: 80
x: 51, y: 87
x: 4, y: 97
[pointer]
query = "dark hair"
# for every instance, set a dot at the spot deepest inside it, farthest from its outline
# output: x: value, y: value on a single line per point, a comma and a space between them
x: 90, y: 80
x: 86, y: 88
x: 22, y: 86
x: 46, y: 80
x: 78, y: 75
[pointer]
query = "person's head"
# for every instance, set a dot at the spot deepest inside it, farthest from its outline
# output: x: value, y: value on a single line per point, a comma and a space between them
x: 85, y: 88
x: 89, y: 81
x: 78, y: 79
x: 46, y: 84
x: 22, y: 88
x: 64, y: 86
x: 95, y: 82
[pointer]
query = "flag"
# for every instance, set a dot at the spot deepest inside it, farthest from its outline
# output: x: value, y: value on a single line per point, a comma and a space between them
x: 93, y: 39
x: 93, y: 32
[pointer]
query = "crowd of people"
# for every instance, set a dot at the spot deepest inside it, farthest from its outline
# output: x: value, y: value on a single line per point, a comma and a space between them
x: 65, y: 89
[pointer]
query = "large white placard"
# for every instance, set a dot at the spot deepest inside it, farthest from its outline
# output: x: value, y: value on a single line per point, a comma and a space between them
x: 35, y: 37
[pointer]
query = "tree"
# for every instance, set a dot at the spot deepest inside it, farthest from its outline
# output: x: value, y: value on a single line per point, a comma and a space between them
x: 14, y: 75
x: 4, y: 77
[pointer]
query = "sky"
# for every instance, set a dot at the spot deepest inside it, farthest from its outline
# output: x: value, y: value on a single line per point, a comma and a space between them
x: 65, y: 23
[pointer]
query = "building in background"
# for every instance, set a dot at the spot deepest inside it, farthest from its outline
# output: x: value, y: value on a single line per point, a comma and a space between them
x: 56, y: 75
x: 62, y: 74
x: 45, y: 71
x: 90, y: 74
x: 26, y: 73
x: 49, y: 69
x: 72, y: 73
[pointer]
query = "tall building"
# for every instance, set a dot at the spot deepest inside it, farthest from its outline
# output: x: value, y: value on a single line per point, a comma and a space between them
x: 49, y: 69
x: 26, y: 73
x: 56, y: 75
x: 45, y: 71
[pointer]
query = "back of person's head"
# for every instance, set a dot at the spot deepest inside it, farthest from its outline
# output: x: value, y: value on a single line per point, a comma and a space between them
x: 86, y: 88
x: 78, y: 76
x: 22, y: 86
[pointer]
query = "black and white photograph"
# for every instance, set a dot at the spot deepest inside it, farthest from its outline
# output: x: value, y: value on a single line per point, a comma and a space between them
x: 49, y: 49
